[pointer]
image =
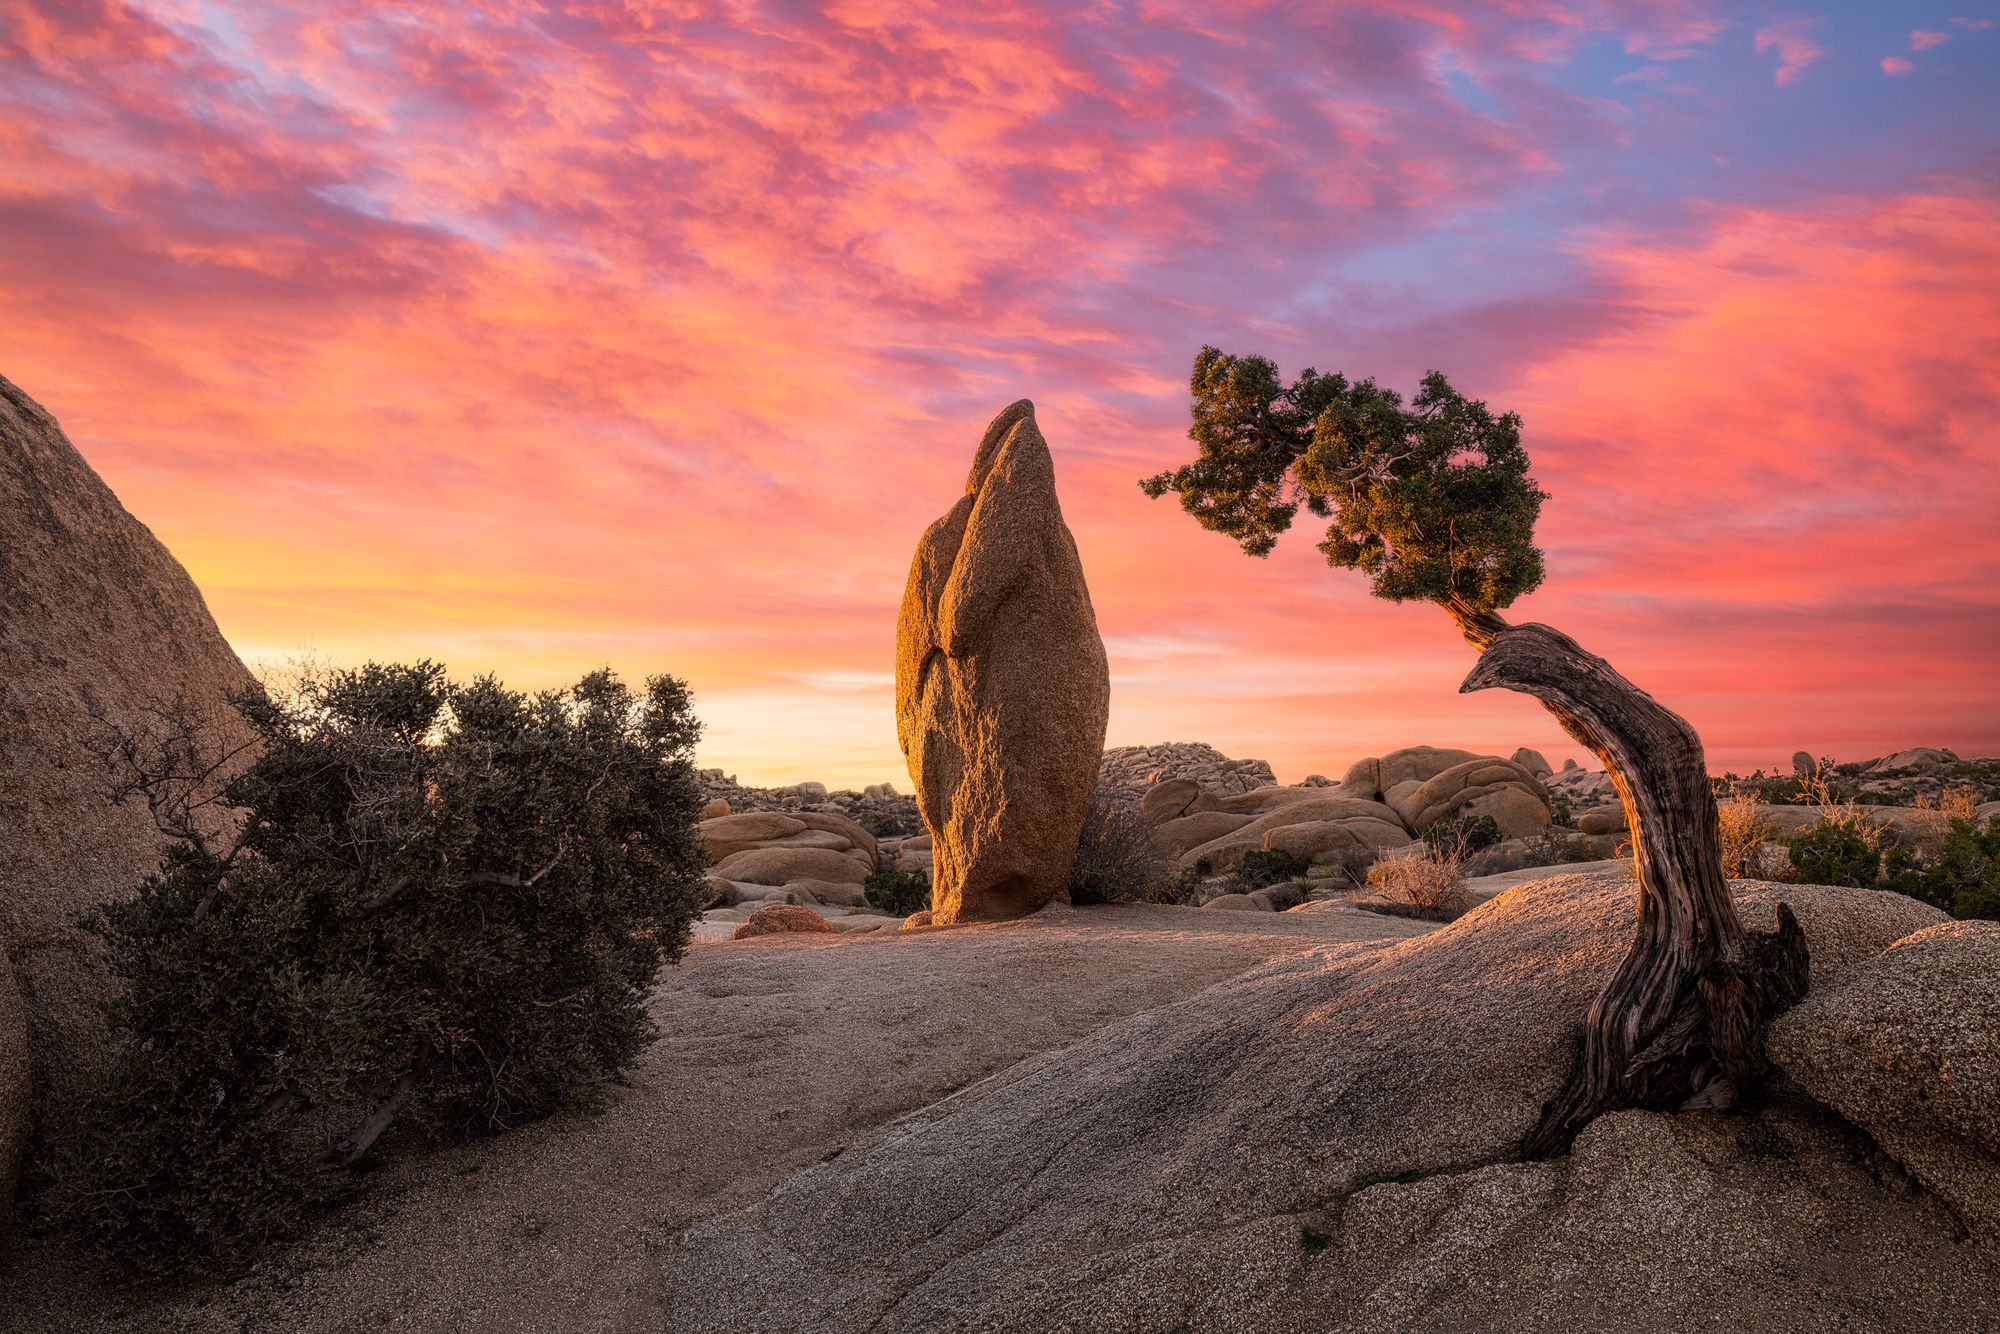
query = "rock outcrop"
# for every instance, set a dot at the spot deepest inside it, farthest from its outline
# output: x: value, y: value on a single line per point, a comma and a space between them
x: 1907, y: 1046
x: 1002, y: 687
x: 1509, y: 795
x: 1135, y: 768
x: 1328, y: 1142
x: 97, y: 622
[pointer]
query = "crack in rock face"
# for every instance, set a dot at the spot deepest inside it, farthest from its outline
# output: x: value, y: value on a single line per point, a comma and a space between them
x: 1002, y: 687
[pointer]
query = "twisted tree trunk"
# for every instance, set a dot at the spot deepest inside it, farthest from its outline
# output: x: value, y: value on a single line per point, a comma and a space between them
x: 1681, y: 1023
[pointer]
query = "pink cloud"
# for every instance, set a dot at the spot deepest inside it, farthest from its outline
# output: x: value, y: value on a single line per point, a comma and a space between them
x: 1789, y: 38
x: 656, y: 338
x: 1896, y: 65
x: 1923, y: 39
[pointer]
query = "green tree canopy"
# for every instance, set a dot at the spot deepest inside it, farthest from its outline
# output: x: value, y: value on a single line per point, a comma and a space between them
x: 1433, y: 501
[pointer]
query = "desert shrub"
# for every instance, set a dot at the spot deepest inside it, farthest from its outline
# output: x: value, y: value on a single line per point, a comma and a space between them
x: 1561, y: 814
x: 1960, y: 873
x: 1263, y: 867
x: 1432, y: 882
x: 443, y: 911
x: 1936, y: 815
x: 897, y: 892
x: 1552, y: 847
x: 1745, y: 831
x: 1116, y: 857
x: 1180, y: 888
x: 1836, y: 852
x: 1464, y: 834
x: 1288, y: 894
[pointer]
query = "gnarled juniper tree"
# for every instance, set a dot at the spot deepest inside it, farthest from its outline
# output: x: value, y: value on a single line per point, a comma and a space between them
x: 1433, y: 501
x: 438, y: 906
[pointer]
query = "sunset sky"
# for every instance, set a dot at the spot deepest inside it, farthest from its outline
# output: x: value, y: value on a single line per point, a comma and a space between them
x: 536, y: 337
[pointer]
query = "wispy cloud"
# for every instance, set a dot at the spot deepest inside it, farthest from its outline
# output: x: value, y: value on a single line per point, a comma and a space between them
x: 1790, y: 38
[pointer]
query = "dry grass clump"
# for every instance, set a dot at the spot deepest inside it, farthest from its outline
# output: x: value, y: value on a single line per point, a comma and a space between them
x: 1745, y: 831
x: 1432, y: 882
x: 1932, y: 819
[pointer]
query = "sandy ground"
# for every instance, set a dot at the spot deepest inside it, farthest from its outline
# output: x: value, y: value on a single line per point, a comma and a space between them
x: 774, y: 1053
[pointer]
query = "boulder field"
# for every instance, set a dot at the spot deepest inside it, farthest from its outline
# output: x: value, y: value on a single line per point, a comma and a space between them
x: 1380, y: 804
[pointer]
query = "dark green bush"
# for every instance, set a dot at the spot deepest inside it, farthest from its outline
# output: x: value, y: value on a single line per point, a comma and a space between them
x: 898, y: 892
x: 1963, y: 879
x: 1116, y: 857
x: 1464, y: 834
x: 1261, y: 868
x: 443, y: 913
x: 1836, y: 853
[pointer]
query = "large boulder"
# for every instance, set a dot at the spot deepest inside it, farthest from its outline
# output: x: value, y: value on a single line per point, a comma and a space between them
x: 782, y: 866
x: 726, y: 835
x: 98, y: 621
x: 1170, y: 799
x: 1329, y: 1142
x: 1176, y: 837
x: 1907, y: 1047
x: 1353, y: 843
x: 859, y: 839
x: 1515, y: 799
x: 1534, y: 762
x: 14, y: 1090
x: 1002, y: 687
x: 1400, y: 771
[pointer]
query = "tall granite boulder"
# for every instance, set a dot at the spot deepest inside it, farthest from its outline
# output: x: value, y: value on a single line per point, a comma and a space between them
x: 1002, y: 687
x: 97, y: 621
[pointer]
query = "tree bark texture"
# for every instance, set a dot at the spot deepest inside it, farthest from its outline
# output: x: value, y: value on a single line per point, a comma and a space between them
x: 1681, y: 1023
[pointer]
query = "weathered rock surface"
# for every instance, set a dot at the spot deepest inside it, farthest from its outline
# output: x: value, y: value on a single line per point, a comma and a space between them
x: 1165, y: 1173
x: 1171, y: 799
x: 1002, y: 688
x: 1134, y: 768
x: 780, y: 918
x: 727, y: 835
x: 1907, y: 1046
x: 96, y: 618
x: 1803, y: 763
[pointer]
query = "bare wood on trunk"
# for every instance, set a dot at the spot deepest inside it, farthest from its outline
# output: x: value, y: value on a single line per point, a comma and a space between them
x: 1682, y: 1021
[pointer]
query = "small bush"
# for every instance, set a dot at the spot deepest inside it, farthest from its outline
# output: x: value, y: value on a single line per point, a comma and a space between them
x: 1836, y: 853
x: 1433, y: 883
x: 897, y: 892
x: 1262, y: 867
x: 1180, y: 888
x: 1551, y: 847
x: 1464, y: 834
x: 443, y: 911
x: 1961, y: 875
x: 1116, y: 857
x: 1744, y: 833
x: 1561, y: 815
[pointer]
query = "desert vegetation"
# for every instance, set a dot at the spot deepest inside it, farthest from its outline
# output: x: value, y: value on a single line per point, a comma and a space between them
x: 436, y: 908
